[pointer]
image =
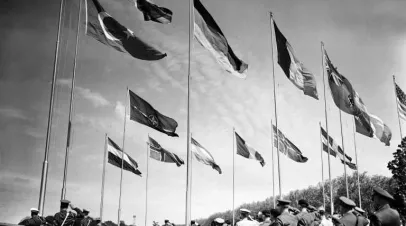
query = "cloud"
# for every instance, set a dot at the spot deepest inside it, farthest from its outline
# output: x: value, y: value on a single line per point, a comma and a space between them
x: 94, y: 97
x: 35, y: 132
x: 119, y: 109
x: 12, y: 113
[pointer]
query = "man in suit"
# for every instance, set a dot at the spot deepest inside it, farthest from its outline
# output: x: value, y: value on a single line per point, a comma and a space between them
x: 385, y: 215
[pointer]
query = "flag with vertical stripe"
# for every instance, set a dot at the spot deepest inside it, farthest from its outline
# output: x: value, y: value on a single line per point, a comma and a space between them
x: 247, y: 151
x: 117, y: 157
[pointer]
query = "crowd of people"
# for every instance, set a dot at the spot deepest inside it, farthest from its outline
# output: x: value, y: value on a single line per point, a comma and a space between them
x: 283, y: 215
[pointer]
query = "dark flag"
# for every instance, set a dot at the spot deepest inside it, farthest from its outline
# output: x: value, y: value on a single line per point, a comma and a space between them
x: 401, y: 101
x: 116, y: 157
x: 210, y: 36
x: 154, y: 13
x: 296, y: 72
x: 247, y: 151
x: 105, y: 29
x: 287, y: 147
x: 142, y: 112
x: 351, y: 165
x: 202, y: 155
x: 162, y: 155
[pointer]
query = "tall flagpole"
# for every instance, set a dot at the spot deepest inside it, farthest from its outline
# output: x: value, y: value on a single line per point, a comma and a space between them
x: 397, y: 108
x: 146, y: 184
x: 356, y: 162
x: 328, y: 137
x: 103, y: 178
x: 273, y: 170
x: 122, y: 159
x: 44, y: 174
x: 322, y: 168
x: 189, y: 156
x: 233, y: 176
x: 345, y: 157
x: 72, y: 96
x: 276, y: 114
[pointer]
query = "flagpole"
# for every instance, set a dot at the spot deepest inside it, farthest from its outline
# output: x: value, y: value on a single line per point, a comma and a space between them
x: 397, y: 108
x: 103, y: 178
x: 322, y: 168
x: 189, y: 156
x: 328, y: 137
x: 345, y: 157
x: 233, y: 176
x: 44, y: 174
x: 122, y: 158
x: 276, y: 115
x: 356, y: 162
x: 273, y: 173
x: 146, y: 185
x: 71, y: 103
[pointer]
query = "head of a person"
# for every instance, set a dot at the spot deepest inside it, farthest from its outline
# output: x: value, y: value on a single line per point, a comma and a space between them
x: 311, y: 209
x: 244, y: 213
x: 322, y: 211
x: 274, y: 214
x: 381, y: 197
x: 64, y: 204
x: 345, y: 204
x: 85, y: 212
x: 282, y: 205
x: 218, y: 222
x: 359, y: 211
x: 167, y: 222
x: 34, y: 212
x: 260, y: 216
x: 266, y: 214
x: 227, y: 222
x: 303, y: 204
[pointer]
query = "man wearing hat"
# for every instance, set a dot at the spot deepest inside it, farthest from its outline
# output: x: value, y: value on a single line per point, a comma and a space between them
x: 167, y: 223
x: 65, y: 217
x: 285, y: 218
x: 266, y: 218
x: 86, y: 219
x: 385, y: 215
x: 218, y: 222
x: 346, y: 209
x: 324, y: 221
x: 305, y: 217
x: 361, y: 219
x: 245, y: 219
x: 34, y: 220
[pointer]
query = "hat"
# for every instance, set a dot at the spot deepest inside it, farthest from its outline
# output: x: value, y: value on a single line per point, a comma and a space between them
x: 85, y: 211
x: 322, y: 209
x: 245, y: 211
x: 192, y: 222
x: 379, y: 191
x: 303, y: 202
x: 65, y: 203
x: 219, y: 220
x: 266, y: 213
x: 359, y: 210
x: 97, y: 219
x: 282, y: 202
x: 34, y: 210
x: 166, y: 221
x: 312, y: 208
x: 347, y: 201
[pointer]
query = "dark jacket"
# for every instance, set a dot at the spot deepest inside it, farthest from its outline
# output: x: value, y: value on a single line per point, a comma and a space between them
x: 385, y: 216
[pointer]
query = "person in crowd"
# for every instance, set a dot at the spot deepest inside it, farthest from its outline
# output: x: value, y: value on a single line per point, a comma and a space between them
x: 323, y: 219
x: 33, y: 220
x: 227, y: 223
x: 260, y: 217
x: 346, y: 207
x: 246, y: 219
x: 86, y: 219
x: 167, y: 223
x: 218, y: 222
x: 285, y: 218
x: 274, y: 214
x: 266, y: 218
x: 65, y: 217
x: 305, y: 217
x: 384, y: 215
x: 361, y: 219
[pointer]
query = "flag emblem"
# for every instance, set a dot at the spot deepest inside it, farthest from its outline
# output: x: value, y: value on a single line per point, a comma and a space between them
x: 153, y: 120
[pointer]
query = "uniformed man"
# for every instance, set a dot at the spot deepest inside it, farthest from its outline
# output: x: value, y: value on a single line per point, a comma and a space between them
x: 245, y: 219
x: 167, y: 223
x: 33, y: 220
x: 274, y: 214
x: 86, y: 219
x: 65, y: 217
x: 346, y: 208
x: 307, y: 216
x: 385, y: 215
x: 285, y: 218
x: 218, y: 222
x: 361, y: 219
x: 266, y: 218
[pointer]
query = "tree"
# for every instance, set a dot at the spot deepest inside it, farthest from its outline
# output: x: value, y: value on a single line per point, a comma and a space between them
x: 398, y: 168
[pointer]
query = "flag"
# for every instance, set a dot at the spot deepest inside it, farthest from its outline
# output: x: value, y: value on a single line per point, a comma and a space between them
x: 105, y: 29
x: 380, y: 130
x: 204, y: 156
x: 161, y: 154
x: 296, y: 72
x: 154, y: 13
x: 287, y: 147
x: 142, y: 112
x: 401, y: 101
x: 351, y: 165
x: 335, y: 149
x: 210, y: 36
x: 116, y: 156
x: 247, y: 151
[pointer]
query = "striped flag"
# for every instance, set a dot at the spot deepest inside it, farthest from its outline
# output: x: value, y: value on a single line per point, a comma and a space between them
x: 162, y: 155
x: 153, y: 12
x: 287, y: 147
x: 204, y: 156
x: 247, y: 151
x: 210, y: 36
x: 296, y: 72
x: 401, y: 100
x: 116, y: 157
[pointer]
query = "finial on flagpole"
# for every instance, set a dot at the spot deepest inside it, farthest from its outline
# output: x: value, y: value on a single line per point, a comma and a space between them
x: 322, y: 43
x: 270, y: 13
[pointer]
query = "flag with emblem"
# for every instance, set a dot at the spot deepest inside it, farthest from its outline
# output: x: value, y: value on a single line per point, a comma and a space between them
x: 210, y: 36
x: 287, y: 147
x: 203, y: 155
x: 159, y: 153
x: 105, y: 29
x: 401, y: 101
x: 142, y: 112
x: 117, y: 157
x: 247, y: 151
x: 153, y: 12
x: 296, y: 72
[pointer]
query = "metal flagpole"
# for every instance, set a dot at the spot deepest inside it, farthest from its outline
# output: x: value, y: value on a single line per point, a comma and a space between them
x: 276, y: 115
x: 273, y: 169
x: 322, y: 168
x: 44, y: 174
x: 328, y: 137
x: 71, y: 103
x: 356, y: 162
x: 122, y: 159
x: 345, y: 158
x: 189, y: 156
x: 146, y: 184
x: 397, y: 108
x: 103, y: 178
x: 233, y: 175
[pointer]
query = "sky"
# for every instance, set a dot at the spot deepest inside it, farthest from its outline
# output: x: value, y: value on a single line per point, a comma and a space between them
x: 365, y: 39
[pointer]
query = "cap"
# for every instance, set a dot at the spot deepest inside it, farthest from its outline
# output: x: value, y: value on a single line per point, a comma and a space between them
x: 85, y: 211
x: 379, y: 191
x: 34, y: 210
x: 359, y: 210
x: 97, y: 219
x: 347, y: 201
x: 282, y: 202
x: 64, y: 201
x: 266, y: 213
x: 312, y: 208
x: 245, y: 211
x: 303, y: 202
x: 219, y: 220
x: 322, y: 209
x: 192, y: 222
x: 166, y: 221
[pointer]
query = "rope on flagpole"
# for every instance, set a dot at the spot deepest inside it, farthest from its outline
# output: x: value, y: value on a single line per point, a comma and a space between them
x: 103, y: 177
x: 273, y: 168
x: 356, y: 162
x: 345, y: 157
x: 122, y: 157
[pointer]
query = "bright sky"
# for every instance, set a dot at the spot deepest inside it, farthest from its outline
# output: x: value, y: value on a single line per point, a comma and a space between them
x: 365, y: 39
